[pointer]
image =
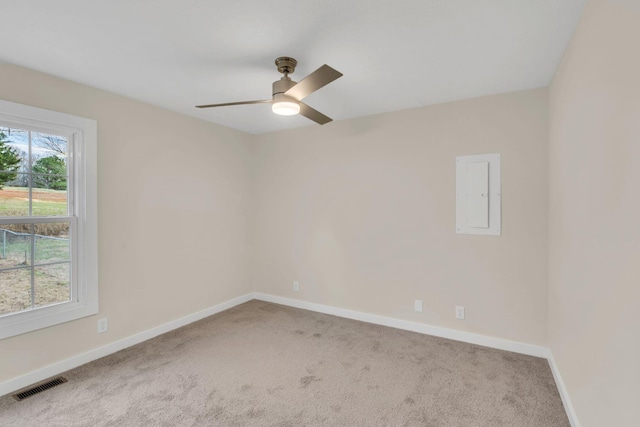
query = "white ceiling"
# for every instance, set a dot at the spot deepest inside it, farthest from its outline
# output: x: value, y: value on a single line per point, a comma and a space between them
x: 395, y: 54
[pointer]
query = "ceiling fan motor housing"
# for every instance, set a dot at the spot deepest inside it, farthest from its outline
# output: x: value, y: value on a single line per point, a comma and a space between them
x: 280, y: 87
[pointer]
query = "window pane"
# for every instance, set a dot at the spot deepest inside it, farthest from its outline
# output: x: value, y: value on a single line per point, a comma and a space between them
x: 49, y: 201
x: 14, y: 194
x: 15, y: 290
x: 15, y: 245
x: 46, y: 145
x: 52, y: 284
x: 33, y: 159
x: 16, y: 137
x: 14, y: 145
x: 52, y: 242
x: 49, y: 179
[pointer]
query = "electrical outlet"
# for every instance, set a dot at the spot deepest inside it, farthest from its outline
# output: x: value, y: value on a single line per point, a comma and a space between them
x: 296, y: 286
x: 459, y: 312
x: 417, y: 305
x: 103, y: 325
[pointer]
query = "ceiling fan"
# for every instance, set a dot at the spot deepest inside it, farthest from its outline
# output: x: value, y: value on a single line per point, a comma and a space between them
x: 288, y: 95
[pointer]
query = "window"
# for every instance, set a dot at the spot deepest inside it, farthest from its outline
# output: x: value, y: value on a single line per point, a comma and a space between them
x: 48, y: 218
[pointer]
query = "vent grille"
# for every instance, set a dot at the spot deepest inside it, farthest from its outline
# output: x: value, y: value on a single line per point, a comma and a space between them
x: 39, y: 388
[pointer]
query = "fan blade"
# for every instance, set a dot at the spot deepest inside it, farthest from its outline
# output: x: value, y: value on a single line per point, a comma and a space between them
x: 312, y: 114
x: 314, y: 81
x: 264, y: 101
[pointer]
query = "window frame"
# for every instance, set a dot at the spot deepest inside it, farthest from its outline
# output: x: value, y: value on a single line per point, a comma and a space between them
x: 82, y: 170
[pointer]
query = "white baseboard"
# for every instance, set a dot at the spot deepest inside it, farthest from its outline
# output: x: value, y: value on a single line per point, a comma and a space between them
x: 564, y: 393
x: 25, y: 380
x: 469, y: 337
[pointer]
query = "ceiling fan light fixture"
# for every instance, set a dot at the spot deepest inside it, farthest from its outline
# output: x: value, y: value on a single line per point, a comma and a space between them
x: 282, y: 104
x: 286, y: 108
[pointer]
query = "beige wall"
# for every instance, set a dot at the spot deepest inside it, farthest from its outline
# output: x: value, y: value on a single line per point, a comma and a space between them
x: 362, y: 213
x: 174, y: 203
x: 594, y: 257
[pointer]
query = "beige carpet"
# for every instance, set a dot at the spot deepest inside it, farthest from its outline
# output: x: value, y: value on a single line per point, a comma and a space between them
x: 262, y: 364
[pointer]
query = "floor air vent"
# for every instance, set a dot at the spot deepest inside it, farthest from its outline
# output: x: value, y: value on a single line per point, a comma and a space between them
x: 39, y: 388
